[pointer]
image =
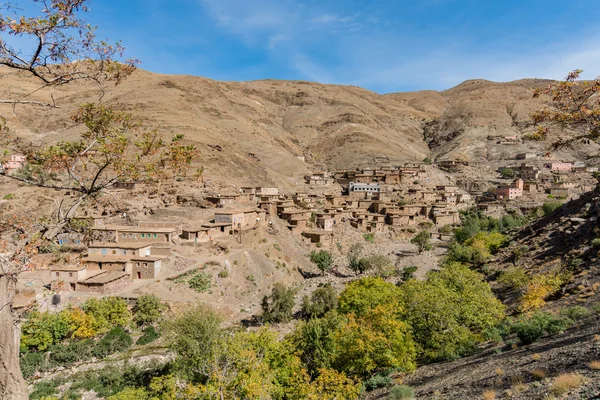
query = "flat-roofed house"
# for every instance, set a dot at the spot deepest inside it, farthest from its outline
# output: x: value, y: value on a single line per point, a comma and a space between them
x: 119, y: 249
x: 145, y: 267
x: 105, y: 282
x: 325, y: 222
x: 107, y: 263
x: 66, y: 277
x: 146, y: 235
x: 239, y: 219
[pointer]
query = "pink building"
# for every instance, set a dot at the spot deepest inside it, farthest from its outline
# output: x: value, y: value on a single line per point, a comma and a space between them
x: 507, y: 192
x: 561, y: 166
x: 16, y: 162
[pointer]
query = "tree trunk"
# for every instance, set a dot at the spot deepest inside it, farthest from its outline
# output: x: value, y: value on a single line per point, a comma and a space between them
x: 12, y: 384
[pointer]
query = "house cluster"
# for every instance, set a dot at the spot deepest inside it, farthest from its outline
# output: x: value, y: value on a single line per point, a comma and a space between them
x: 14, y: 163
x: 118, y: 255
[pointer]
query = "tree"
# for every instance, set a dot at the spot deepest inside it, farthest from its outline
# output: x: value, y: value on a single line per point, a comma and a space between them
x: 323, y: 300
x: 574, y: 108
x: 108, y: 312
x: 380, y: 265
x: 507, y: 172
x: 278, y: 306
x: 64, y: 49
x: 421, y: 240
x: 193, y: 337
x: 365, y: 294
x: 147, y: 309
x: 322, y: 259
x: 333, y: 385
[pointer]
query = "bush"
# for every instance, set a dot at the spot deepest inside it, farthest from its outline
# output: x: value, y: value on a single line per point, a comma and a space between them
x: 514, y: 277
x: 365, y: 294
x: 551, y: 206
x: 369, y: 237
x: 575, y: 313
x: 427, y: 160
x: 408, y: 272
x: 223, y: 274
x: 200, y: 282
x: 355, y: 262
x: 32, y: 363
x: 108, y: 312
x: 114, y: 341
x: 322, y: 259
x: 377, y: 381
x: 596, y: 243
x: 507, y: 172
x: 379, y: 264
x: 278, y: 306
x: 401, y: 392
x: 70, y: 353
x: 323, y: 300
x: 149, y: 336
x: 422, y: 241
x: 147, y: 310
x: 529, y: 329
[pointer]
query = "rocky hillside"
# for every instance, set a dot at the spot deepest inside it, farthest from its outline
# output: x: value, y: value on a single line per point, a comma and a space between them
x: 273, y: 132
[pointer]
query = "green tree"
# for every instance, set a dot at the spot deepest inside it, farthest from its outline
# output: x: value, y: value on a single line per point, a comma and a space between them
x: 374, y: 342
x: 278, y: 306
x: 507, y: 172
x: 380, y: 265
x: 114, y: 341
x: 365, y: 294
x: 323, y: 300
x: 322, y: 259
x: 147, y: 310
x: 421, y: 240
x: 108, y: 312
x: 193, y: 337
x: 355, y: 262
x: 41, y: 330
x: 550, y: 206
x: 450, y: 311
x: 333, y: 385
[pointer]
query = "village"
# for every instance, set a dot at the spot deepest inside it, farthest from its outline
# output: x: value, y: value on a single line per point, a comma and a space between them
x: 115, y: 251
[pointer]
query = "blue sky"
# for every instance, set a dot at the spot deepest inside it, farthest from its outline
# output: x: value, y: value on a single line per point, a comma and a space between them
x: 383, y: 45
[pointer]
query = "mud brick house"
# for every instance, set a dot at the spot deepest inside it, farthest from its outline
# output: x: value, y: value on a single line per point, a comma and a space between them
x: 297, y: 212
x: 105, y: 282
x: 124, y: 185
x: 334, y: 200
x: 510, y: 192
x: 297, y: 223
x: 271, y: 192
x: 195, y: 233
x: 119, y: 249
x: 239, y: 219
x: 318, y: 178
x: 15, y: 162
x: 145, y: 235
x: 269, y: 207
x: 400, y: 218
x: 428, y: 196
x: 447, y: 218
x: 528, y: 172
x: 325, y: 222
x: 66, y: 277
x: 316, y: 236
x: 222, y: 200
x: 107, y: 263
x: 558, y: 192
x: 560, y: 167
x: 145, y: 267
x: 69, y: 239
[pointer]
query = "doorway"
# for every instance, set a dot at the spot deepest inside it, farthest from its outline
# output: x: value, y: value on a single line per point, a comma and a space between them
x: 139, y: 275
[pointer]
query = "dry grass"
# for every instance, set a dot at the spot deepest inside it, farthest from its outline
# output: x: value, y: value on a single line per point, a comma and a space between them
x: 519, y: 387
x: 565, y: 382
x: 489, y: 395
x: 538, y: 374
x: 596, y: 338
x: 499, y: 371
x: 536, y: 357
x: 595, y: 365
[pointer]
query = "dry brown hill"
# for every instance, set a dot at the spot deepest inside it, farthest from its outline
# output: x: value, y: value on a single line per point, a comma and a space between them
x: 259, y: 132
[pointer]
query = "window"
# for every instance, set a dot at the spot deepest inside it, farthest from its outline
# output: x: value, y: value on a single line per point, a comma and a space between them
x: 70, y: 274
x: 57, y: 274
x: 143, y: 235
x: 145, y: 265
x: 131, y: 235
x: 124, y: 252
x: 124, y: 235
x: 155, y: 235
x: 114, y: 252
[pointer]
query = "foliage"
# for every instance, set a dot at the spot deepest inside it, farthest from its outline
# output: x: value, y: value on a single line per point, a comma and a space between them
x: 421, y: 240
x: 31, y: 363
x: 427, y: 160
x: 540, y: 287
x: 114, y: 341
x: 333, y: 385
x: 365, y: 294
x: 315, y: 342
x: 108, y: 312
x: 355, y: 261
x: 374, y: 342
x: 379, y: 264
x: 41, y: 330
x: 200, y: 282
x: 149, y: 336
x: 193, y: 337
x: 514, y: 277
x: 507, y: 172
x: 450, y: 311
x: 322, y: 259
x: 550, y: 206
x: 323, y: 300
x: 401, y: 392
x: 575, y: 313
x: 377, y: 381
x: 477, y: 249
x: 147, y: 310
x: 408, y: 272
x: 369, y: 237
x: 596, y: 243
x: 63, y: 355
x: 531, y: 328
x: 84, y: 325
x: 278, y: 306
x: 574, y: 109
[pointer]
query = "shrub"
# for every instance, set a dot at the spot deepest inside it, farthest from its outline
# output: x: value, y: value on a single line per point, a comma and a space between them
x: 114, y: 341
x: 576, y: 262
x: 355, y: 262
x: 72, y: 352
x: 489, y: 395
x: 530, y: 328
x: 539, y: 288
x: 379, y: 264
x: 278, y: 306
x: 514, y: 277
x: 223, y: 274
x: 32, y: 363
x: 377, y: 381
x: 108, y: 312
x: 427, y: 160
x: 596, y: 243
x: 200, y: 282
x: 8, y: 196
x: 323, y: 300
x: 147, y: 310
x: 41, y: 330
x: 322, y: 259
x: 408, y: 272
x: 369, y: 237
x: 365, y: 294
x: 149, y: 336
x: 551, y: 206
x: 401, y: 392
x: 565, y: 382
x: 575, y: 313
x: 595, y: 365
x: 538, y: 374
x: 421, y: 240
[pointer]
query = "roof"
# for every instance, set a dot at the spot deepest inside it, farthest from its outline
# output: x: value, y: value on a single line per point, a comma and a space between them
x: 249, y: 210
x: 110, y: 227
x: 99, y: 258
x: 142, y: 229
x: 106, y: 277
x: 216, y: 224
x: 118, y: 245
x: 319, y: 232
x: 148, y: 258
x: 69, y: 268
x: 195, y: 229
